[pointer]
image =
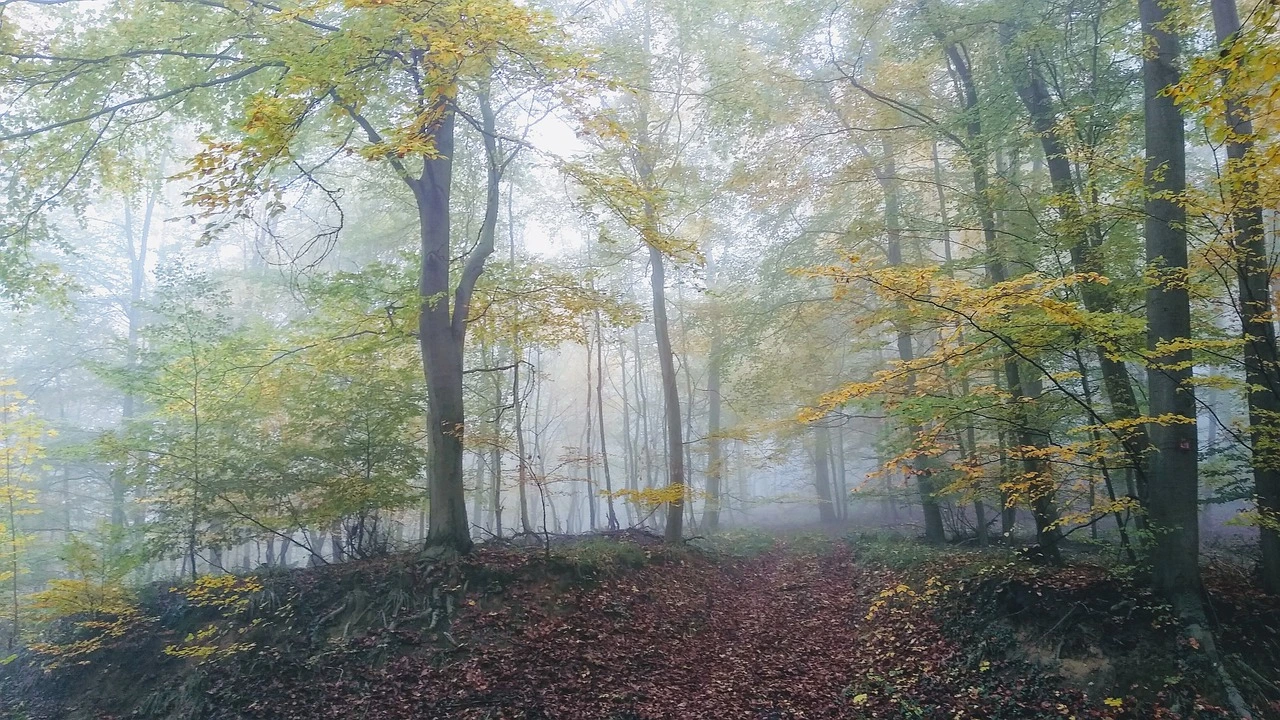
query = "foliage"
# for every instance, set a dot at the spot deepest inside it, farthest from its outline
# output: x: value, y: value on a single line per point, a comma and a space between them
x: 22, y: 434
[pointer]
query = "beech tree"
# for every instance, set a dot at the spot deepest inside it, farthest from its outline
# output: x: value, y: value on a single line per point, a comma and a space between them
x: 383, y: 81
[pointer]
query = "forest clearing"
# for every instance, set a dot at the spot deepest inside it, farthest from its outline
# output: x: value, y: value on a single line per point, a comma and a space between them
x: 639, y: 359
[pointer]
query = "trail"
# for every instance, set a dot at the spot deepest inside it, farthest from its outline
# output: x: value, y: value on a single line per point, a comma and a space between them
x: 768, y: 637
x: 781, y: 635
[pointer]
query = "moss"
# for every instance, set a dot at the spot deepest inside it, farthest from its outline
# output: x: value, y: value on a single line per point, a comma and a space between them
x: 739, y: 543
x: 598, y: 558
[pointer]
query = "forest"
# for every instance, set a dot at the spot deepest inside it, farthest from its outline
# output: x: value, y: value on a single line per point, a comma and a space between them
x: 639, y: 359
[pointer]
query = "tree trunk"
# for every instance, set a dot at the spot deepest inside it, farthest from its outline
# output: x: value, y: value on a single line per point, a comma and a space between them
x: 612, y: 516
x: 642, y: 409
x: 517, y: 402
x: 1172, y: 502
x: 442, y: 348
x: 442, y: 330
x: 137, y: 250
x: 887, y: 175
x: 477, y: 497
x: 1086, y: 257
x: 632, y: 459
x: 495, y: 458
x: 822, y: 473
x: 1027, y: 433
x: 1253, y: 275
x: 522, y: 477
x: 842, y: 477
x: 587, y: 442
x: 715, y: 449
x: 674, y: 530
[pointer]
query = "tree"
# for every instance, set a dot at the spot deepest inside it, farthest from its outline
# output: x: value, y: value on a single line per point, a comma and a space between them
x: 21, y: 435
x: 192, y: 443
x: 390, y: 73
x: 1253, y: 282
x: 1172, y: 504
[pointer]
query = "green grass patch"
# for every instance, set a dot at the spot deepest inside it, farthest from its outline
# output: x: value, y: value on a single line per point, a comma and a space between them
x: 596, y: 558
x: 738, y: 542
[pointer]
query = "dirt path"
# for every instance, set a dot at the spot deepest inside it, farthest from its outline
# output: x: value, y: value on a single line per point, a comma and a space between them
x: 782, y: 635
x: 775, y: 636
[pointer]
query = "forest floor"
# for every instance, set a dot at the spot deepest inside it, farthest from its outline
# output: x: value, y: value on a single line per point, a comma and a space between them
x: 624, y: 628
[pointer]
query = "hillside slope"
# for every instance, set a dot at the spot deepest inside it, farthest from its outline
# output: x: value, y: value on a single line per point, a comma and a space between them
x: 619, y: 628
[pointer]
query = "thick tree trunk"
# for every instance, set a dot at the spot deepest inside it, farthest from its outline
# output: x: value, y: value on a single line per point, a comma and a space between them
x: 441, y: 329
x: 1253, y: 274
x: 441, y: 349
x: 1172, y: 502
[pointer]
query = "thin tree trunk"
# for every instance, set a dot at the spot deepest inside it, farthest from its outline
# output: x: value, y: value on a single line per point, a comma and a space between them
x: 632, y: 459
x: 587, y: 442
x: 137, y: 250
x: 674, y: 530
x: 604, y: 447
x: 495, y: 457
x: 1086, y: 257
x: 643, y: 410
x: 842, y: 476
x: 715, y: 451
x: 523, y: 457
x: 887, y: 175
x: 477, y: 497
x: 1028, y: 435
x: 517, y: 401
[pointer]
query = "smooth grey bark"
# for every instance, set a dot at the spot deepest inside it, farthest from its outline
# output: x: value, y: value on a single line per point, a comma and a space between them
x: 442, y: 328
x: 674, y: 530
x: 1172, y: 502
